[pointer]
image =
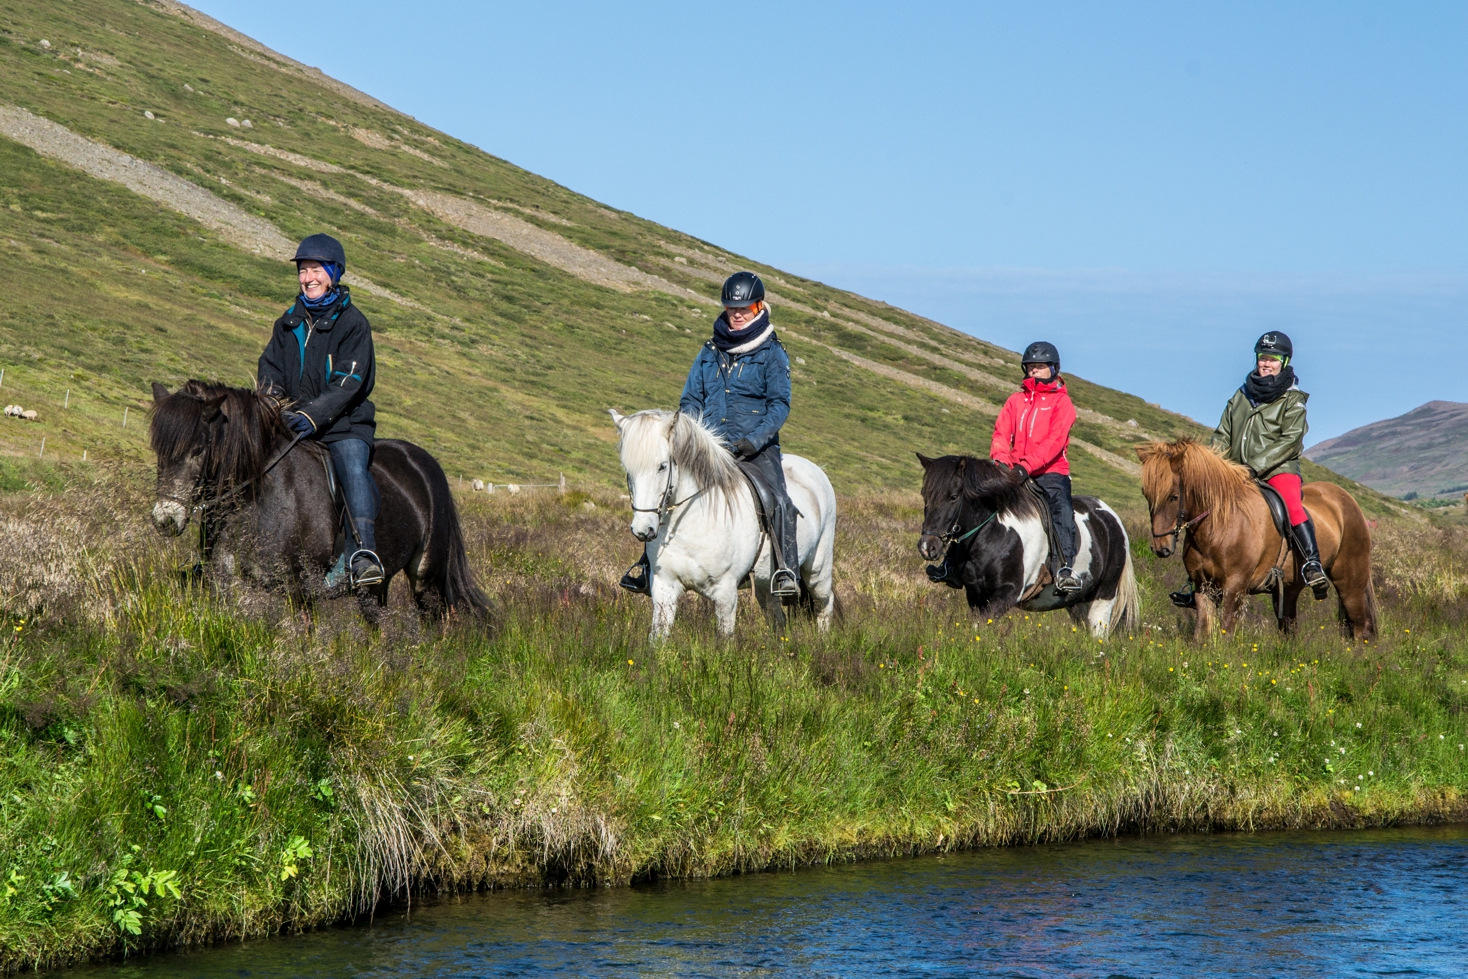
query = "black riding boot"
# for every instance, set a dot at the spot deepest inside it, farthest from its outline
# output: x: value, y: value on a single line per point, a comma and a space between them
x: 1185, y: 598
x: 1310, y: 568
x: 786, y: 581
x: 638, y: 578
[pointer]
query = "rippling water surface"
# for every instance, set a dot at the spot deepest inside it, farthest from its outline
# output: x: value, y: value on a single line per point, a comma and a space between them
x: 1364, y: 903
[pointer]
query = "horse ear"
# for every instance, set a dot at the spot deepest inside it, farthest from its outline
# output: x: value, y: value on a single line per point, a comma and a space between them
x: 159, y: 392
x: 927, y: 463
x: 1145, y: 452
x: 212, y: 408
x: 618, y: 418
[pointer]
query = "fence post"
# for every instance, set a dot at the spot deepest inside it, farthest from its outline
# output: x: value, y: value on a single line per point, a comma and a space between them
x: 2, y: 377
x: 67, y: 402
x: 124, y: 416
x: 563, y: 484
x: 42, y: 454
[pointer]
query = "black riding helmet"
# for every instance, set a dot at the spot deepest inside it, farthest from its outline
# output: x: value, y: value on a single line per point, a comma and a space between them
x: 1041, y: 352
x: 321, y: 248
x: 1275, y: 344
x: 741, y: 290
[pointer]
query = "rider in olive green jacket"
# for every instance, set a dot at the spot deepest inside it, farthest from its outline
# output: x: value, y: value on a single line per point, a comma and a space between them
x: 1269, y: 437
x: 1264, y: 428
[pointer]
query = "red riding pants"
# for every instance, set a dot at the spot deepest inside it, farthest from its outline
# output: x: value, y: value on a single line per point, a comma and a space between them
x: 1288, y: 485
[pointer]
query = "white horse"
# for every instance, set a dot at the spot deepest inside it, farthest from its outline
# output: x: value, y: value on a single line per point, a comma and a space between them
x: 697, y: 514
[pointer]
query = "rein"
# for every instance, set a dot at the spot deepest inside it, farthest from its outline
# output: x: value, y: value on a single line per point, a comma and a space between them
x: 948, y: 538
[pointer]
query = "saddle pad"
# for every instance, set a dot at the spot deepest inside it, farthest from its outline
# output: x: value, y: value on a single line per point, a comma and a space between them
x: 1277, y: 508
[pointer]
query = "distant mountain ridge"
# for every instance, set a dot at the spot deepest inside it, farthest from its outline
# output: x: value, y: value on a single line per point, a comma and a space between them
x: 1424, y: 451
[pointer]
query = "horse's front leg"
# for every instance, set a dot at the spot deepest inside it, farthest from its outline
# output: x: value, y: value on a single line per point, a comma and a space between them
x: 665, y: 595
x: 726, y: 606
x: 999, y: 600
x: 1235, y: 593
x: 1204, y: 605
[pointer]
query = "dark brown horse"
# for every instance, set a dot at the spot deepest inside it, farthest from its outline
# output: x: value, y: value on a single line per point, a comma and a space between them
x: 1232, y: 547
x: 265, y: 503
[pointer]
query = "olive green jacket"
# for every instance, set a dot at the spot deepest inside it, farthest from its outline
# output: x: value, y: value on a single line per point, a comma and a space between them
x: 1268, y: 439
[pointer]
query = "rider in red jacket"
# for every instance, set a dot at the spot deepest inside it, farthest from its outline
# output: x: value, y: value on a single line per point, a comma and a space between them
x: 1032, y: 434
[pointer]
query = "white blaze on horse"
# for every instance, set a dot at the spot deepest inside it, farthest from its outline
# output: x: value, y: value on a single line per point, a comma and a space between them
x: 697, y: 514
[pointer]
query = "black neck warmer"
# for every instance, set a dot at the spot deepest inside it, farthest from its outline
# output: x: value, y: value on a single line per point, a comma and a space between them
x: 1262, y: 390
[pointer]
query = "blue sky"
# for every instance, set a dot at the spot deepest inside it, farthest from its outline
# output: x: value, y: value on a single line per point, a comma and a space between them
x: 1148, y: 185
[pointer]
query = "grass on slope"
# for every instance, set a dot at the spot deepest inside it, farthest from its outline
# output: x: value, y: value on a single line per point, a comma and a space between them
x: 508, y: 374
x: 278, y: 768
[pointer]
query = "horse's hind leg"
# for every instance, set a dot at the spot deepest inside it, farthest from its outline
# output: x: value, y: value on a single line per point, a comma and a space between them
x: 822, y: 601
x: 1357, y: 610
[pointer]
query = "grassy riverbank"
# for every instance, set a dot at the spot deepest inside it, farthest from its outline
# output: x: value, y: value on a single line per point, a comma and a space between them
x: 274, y: 769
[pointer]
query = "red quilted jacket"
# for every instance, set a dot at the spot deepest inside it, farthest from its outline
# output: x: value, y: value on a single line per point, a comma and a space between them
x: 1033, y: 429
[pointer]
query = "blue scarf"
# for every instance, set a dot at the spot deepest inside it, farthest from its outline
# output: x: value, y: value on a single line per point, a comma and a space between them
x: 726, y: 339
x: 328, y: 299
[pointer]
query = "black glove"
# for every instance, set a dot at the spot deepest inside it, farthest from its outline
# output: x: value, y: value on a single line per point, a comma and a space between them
x: 300, y: 424
x: 744, y: 449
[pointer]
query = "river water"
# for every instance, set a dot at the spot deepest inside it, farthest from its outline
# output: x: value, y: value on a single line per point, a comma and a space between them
x: 1364, y: 903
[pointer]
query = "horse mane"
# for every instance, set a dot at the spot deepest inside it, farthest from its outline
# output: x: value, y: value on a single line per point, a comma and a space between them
x: 182, y: 423
x: 981, y: 479
x: 694, y: 448
x: 1210, y: 483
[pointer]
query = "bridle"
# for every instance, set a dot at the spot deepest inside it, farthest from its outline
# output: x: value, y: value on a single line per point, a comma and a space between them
x: 1183, y: 522
x: 666, y: 502
x: 953, y: 536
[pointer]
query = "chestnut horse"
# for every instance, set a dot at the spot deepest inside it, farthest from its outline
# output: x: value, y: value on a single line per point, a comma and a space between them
x: 1233, y: 549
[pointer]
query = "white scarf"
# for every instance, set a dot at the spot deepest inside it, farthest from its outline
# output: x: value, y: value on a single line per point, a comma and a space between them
x: 754, y: 344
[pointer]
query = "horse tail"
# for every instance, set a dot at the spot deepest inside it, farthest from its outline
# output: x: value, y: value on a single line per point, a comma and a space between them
x: 460, y: 592
x: 1126, y: 609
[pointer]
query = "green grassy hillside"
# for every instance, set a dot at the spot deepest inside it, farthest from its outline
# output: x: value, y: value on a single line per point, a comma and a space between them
x: 509, y: 311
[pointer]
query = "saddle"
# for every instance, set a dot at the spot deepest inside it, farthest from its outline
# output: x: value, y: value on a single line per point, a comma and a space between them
x: 1277, y: 508
x: 764, y: 498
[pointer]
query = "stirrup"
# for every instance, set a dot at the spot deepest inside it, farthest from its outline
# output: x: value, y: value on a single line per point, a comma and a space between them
x: 373, y: 575
x: 1066, y: 580
x: 636, y: 584
x: 784, y: 583
x: 1184, y: 599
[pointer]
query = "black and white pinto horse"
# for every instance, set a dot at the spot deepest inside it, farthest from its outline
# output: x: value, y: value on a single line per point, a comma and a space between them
x: 998, y: 527
x: 264, y: 501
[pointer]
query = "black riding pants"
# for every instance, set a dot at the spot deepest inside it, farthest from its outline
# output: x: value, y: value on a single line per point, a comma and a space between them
x: 352, y: 459
x: 771, y: 465
x: 1062, y: 514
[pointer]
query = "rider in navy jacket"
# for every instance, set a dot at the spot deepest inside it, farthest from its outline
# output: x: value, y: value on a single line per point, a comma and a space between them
x: 742, y: 393
x: 739, y: 385
x: 320, y: 359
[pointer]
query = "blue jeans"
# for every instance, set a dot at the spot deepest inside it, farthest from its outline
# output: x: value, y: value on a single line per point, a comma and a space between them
x: 352, y: 459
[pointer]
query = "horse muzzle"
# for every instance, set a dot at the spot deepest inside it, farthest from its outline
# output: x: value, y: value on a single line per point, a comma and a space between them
x: 930, y: 546
x: 644, y: 529
x: 170, y: 517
